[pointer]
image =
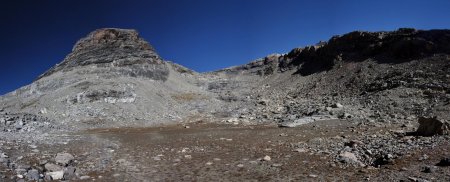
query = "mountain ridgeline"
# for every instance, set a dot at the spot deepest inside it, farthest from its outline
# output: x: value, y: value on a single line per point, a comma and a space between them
x: 113, y: 77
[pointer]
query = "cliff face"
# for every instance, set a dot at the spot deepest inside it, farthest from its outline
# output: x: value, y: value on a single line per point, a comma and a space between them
x: 385, y: 47
x: 117, y: 51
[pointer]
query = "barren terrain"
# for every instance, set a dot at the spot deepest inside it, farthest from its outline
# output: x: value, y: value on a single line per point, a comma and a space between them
x: 362, y: 106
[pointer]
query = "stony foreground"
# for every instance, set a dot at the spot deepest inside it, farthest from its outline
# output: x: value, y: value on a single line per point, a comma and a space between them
x: 332, y: 150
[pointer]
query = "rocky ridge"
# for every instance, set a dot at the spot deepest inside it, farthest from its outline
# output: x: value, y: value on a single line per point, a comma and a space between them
x: 378, y: 83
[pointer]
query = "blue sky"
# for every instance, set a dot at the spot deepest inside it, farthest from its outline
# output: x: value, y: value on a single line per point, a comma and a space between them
x: 203, y: 35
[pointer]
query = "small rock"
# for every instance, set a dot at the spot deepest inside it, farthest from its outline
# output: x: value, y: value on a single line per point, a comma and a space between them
x: 188, y: 156
x: 84, y: 177
x: 350, y: 158
x: 266, y: 158
x: 427, y: 169
x: 345, y: 116
x: 57, y: 175
x: 424, y: 157
x: 18, y: 125
x: 300, y: 150
x: 69, y: 173
x: 21, y: 170
x: 232, y: 120
x: 240, y: 165
x: 64, y: 158
x: 33, y: 174
x: 354, y: 143
x: 417, y: 179
x: 43, y: 162
x: 313, y: 176
x: 209, y: 163
x: 383, y: 160
x: 277, y: 165
x: 48, y: 178
x: 337, y: 105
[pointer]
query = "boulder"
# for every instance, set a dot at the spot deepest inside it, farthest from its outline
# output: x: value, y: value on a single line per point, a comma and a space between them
x: 432, y: 126
x: 69, y: 173
x: 57, y: 175
x: 349, y: 158
x: 444, y: 162
x: 64, y: 158
x: 52, y: 167
x: 33, y: 174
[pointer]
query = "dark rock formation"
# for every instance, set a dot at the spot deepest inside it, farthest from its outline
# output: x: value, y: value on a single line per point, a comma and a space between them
x: 119, y: 50
x: 432, y: 126
x: 385, y: 47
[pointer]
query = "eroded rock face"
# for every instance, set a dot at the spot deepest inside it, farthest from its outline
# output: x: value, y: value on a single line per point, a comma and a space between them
x: 115, y: 52
x: 393, y: 47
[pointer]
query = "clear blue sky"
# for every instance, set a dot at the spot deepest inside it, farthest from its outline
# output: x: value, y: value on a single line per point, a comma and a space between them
x: 203, y: 35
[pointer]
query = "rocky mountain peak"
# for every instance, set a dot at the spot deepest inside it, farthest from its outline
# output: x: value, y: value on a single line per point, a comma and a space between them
x: 120, y: 50
x: 110, y: 37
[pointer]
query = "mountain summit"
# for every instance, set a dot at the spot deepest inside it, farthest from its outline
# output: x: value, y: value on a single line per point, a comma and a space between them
x: 119, y: 50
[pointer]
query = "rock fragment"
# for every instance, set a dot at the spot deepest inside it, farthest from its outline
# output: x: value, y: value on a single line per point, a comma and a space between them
x: 33, y: 174
x: 64, y: 158
x: 349, y: 158
x: 266, y: 158
x: 69, y: 173
x: 57, y: 175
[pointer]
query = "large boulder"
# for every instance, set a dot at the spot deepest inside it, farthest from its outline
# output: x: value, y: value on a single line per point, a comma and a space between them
x: 432, y: 126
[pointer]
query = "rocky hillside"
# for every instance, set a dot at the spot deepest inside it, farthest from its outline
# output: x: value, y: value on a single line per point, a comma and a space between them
x: 375, y: 76
x: 113, y: 77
